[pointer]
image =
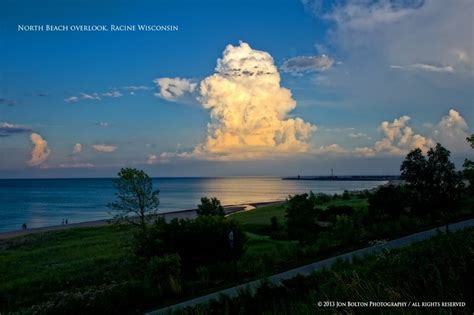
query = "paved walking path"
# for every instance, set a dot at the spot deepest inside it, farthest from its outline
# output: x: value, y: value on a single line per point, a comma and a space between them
x: 308, y: 269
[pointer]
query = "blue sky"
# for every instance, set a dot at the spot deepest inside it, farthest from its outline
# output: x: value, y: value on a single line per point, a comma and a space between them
x: 350, y: 66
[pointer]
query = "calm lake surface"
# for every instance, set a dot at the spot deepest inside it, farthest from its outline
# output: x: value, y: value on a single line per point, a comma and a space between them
x: 44, y: 202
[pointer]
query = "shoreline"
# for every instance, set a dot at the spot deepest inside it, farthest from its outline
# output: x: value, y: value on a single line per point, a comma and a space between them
x: 179, y: 214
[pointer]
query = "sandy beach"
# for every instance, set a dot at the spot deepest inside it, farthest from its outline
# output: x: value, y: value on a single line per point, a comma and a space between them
x: 180, y: 214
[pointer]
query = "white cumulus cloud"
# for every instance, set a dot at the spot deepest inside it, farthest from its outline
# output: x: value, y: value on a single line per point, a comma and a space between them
x: 398, y: 139
x: 452, y: 131
x: 77, y: 148
x: 249, y: 109
x: 40, y: 151
x: 173, y: 88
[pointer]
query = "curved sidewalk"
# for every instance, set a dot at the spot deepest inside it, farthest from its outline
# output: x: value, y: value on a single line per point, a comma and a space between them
x: 308, y: 269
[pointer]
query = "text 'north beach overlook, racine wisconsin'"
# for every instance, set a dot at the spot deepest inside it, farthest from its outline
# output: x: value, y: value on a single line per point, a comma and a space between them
x: 97, y: 28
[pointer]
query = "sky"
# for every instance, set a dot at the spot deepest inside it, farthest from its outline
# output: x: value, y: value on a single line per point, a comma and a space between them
x: 232, y: 88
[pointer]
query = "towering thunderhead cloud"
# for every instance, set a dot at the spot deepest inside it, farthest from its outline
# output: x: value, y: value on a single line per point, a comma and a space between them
x: 249, y: 109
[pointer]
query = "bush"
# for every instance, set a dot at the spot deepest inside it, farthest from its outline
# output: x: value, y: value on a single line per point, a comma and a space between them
x: 210, y: 207
x: 163, y: 274
x: 301, y: 223
x: 346, y: 195
x: 319, y: 198
x: 274, y: 224
x: 202, y: 241
x: 332, y: 212
x: 344, y: 229
x: 388, y: 201
x: 146, y: 243
x: 276, y: 230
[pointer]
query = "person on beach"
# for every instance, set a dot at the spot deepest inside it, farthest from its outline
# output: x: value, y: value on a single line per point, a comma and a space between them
x: 66, y: 221
x: 23, y: 226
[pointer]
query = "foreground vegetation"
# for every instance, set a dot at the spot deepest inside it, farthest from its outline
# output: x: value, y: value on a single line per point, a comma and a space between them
x: 145, y: 262
x: 436, y: 270
x: 97, y: 270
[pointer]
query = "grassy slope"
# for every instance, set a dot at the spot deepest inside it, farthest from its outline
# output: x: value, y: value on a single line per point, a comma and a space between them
x: 49, y: 262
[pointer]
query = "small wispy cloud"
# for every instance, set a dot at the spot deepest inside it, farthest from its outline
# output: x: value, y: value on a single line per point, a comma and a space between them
x: 357, y: 135
x: 306, y: 64
x: 135, y: 88
x: 68, y: 165
x: 71, y: 99
x: 93, y: 96
x: 7, y: 129
x: 104, y: 148
x: 103, y: 124
x: 112, y: 94
x: 424, y: 67
x: 7, y: 101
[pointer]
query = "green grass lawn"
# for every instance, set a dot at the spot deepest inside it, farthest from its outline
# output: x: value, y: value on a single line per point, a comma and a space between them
x: 252, y: 219
x: 39, y: 264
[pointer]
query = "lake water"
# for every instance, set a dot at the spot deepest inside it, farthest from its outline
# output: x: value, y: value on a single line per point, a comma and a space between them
x: 44, y: 202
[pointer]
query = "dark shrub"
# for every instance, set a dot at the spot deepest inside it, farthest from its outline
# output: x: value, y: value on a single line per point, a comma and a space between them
x: 301, y: 217
x: 274, y: 224
x: 202, y: 241
x: 388, y: 201
x: 346, y: 195
x: 332, y: 211
x: 319, y: 198
x: 163, y: 274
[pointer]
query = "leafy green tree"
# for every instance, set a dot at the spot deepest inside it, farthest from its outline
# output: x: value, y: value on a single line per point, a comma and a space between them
x: 210, y: 207
x: 414, y: 172
x: 469, y: 166
x: 301, y: 215
x: 432, y: 181
x: 137, y: 202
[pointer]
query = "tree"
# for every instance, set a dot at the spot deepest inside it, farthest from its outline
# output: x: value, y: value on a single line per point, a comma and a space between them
x: 202, y: 241
x: 301, y: 215
x: 137, y: 202
x: 414, y: 172
x: 387, y: 201
x: 432, y: 181
x: 469, y: 166
x: 210, y: 207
